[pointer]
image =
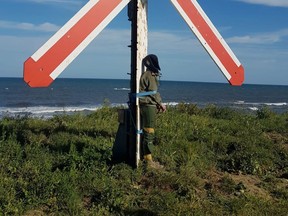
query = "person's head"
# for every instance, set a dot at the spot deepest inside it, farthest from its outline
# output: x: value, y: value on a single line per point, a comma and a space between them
x: 152, y: 64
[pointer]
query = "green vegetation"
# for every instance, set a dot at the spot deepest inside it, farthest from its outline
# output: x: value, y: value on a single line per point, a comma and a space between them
x: 218, y: 161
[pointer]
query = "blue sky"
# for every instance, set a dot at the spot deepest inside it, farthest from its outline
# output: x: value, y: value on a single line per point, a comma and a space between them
x: 256, y: 31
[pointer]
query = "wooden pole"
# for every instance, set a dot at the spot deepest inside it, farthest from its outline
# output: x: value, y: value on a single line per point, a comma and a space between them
x: 139, y: 42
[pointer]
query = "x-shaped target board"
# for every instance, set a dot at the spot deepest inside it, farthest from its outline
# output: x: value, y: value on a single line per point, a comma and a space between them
x: 47, y: 63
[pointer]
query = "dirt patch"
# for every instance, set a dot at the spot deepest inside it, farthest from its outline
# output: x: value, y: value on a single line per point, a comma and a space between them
x: 251, y: 184
x: 35, y: 213
x: 247, y: 184
x: 278, y: 138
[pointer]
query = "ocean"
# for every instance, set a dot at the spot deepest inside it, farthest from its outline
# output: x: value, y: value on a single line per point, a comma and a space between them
x: 87, y: 95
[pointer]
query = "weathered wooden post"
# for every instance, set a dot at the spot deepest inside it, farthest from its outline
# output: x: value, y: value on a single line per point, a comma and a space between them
x: 137, y: 12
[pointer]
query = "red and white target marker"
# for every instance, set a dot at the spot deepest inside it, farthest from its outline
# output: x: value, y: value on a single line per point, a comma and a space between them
x: 211, y: 40
x: 46, y: 64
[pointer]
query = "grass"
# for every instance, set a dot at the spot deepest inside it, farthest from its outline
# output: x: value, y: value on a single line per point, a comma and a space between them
x: 218, y: 161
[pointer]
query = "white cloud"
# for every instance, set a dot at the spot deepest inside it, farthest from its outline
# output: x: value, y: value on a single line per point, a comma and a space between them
x: 172, y: 42
x: 75, y: 2
x: 263, y: 38
x: 274, y: 3
x: 44, y: 27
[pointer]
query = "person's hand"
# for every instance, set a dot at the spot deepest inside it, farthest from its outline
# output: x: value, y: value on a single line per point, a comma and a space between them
x: 162, y: 108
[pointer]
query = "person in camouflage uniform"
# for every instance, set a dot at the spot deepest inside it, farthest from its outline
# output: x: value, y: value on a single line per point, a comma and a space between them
x: 150, y: 104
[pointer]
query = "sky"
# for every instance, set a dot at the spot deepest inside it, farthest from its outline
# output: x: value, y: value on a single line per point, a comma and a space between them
x: 255, y: 30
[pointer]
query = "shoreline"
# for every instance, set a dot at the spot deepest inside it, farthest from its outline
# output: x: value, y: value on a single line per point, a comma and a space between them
x: 50, y: 111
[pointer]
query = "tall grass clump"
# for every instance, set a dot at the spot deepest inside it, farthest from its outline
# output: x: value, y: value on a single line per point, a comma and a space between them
x: 217, y: 161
